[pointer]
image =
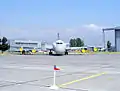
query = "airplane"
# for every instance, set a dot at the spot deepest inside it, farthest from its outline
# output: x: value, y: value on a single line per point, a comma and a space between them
x: 59, y: 47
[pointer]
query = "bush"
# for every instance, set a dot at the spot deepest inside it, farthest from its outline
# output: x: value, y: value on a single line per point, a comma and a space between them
x: 4, y: 46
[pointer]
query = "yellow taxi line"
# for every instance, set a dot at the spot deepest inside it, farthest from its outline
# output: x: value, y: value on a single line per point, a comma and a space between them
x: 78, y: 80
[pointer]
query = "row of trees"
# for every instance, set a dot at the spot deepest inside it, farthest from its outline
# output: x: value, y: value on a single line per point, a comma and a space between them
x: 4, y: 44
x: 76, y: 42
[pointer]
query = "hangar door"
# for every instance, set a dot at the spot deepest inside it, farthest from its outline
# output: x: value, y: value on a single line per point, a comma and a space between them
x: 117, y: 40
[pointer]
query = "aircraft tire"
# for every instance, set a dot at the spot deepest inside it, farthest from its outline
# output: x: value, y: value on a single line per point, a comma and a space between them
x: 66, y: 53
x: 50, y: 53
x: 23, y: 52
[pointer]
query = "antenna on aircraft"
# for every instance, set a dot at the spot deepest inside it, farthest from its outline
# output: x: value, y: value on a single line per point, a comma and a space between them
x: 58, y: 36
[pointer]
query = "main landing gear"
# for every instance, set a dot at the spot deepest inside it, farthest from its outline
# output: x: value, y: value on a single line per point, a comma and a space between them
x: 50, y: 53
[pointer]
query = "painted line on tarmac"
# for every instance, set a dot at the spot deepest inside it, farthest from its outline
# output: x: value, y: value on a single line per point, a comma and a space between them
x: 82, y: 79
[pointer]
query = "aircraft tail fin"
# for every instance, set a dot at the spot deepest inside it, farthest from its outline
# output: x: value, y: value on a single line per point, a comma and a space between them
x: 58, y: 36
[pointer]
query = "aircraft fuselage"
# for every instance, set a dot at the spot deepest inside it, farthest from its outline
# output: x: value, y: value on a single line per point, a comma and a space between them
x: 59, y: 48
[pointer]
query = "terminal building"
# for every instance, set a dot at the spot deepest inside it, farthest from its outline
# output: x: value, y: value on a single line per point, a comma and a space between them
x: 15, y: 45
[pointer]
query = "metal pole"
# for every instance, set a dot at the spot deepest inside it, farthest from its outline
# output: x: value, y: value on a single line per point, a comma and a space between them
x: 115, y: 41
x: 54, y: 78
x: 54, y: 86
x: 104, y: 38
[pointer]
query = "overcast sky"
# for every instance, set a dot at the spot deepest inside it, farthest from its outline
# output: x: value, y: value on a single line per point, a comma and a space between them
x: 43, y: 19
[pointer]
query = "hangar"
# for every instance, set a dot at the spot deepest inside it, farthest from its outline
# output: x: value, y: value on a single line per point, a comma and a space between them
x: 117, y: 37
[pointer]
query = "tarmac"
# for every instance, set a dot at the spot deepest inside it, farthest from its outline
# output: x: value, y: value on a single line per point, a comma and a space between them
x: 98, y: 72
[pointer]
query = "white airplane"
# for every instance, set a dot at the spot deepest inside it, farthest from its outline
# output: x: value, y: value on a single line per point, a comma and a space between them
x: 59, y: 47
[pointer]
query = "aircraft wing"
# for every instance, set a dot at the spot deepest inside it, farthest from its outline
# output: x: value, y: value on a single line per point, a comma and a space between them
x: 49, y: 47
x: 68, y: 48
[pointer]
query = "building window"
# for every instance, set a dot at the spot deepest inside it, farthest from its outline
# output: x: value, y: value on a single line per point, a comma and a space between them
x: 21, y: 43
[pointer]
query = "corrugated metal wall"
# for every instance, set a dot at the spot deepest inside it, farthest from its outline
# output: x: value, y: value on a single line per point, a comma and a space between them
x: 117, y: 40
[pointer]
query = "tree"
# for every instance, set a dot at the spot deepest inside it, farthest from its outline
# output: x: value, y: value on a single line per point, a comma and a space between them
x: 4, y: 40
x: 108, y: 45
x: 71, y: 43
x: 76, y: 42
x: 82, y: 43
x: 0, y: 40
x: 79, y: 42
x: 4, y: 45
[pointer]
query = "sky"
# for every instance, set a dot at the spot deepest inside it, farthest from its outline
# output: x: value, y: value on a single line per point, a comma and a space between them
x: 43, y: 19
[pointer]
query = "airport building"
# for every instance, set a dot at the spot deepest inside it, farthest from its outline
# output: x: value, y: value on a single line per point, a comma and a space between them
x: 117, y: 37
x: 15, y: 45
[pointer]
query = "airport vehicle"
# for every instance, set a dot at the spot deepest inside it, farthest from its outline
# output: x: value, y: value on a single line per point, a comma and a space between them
x: 58, y: 47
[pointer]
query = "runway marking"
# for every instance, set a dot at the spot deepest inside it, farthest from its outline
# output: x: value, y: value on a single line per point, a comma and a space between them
x: 78, y: 80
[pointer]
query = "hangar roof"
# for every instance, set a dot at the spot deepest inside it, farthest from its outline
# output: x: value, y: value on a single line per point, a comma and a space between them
x: 114, y: 28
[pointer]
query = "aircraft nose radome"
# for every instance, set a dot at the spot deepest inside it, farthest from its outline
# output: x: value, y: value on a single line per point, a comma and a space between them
x: 60, y: 49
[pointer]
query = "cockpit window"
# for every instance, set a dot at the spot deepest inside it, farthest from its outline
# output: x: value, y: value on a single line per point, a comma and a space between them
x: 59, y: 43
